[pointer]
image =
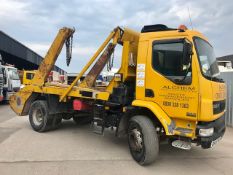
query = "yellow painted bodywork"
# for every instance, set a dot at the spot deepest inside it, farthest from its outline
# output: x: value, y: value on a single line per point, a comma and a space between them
x: 156, y: 109
x: 20, y: 102
x: 188, y: 104
x: 172, y: 102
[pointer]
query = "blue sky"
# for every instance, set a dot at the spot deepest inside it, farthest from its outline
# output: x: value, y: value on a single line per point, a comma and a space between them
x: 35, y: 23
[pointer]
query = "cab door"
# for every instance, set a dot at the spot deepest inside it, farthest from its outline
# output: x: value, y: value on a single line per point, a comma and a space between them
x: 170, y: 82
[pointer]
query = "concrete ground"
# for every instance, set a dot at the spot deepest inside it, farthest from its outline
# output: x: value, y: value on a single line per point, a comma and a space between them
x: 76, y: 150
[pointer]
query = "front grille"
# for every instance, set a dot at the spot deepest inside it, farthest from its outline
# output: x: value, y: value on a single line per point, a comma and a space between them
x: 219, y: 106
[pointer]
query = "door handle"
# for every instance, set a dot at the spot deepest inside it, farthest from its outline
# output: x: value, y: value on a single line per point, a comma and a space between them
x: 149, y: 93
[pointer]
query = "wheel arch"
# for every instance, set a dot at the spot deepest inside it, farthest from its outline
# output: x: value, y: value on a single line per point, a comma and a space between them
x: 156, y: 114
x: 54, y: 105
x: 52, y: 102
x: 152, y: 111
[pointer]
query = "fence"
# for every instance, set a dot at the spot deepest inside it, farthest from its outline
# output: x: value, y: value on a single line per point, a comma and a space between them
x: 228, y: 78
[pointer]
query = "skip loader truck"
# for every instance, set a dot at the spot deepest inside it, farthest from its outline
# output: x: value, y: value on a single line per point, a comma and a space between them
x: 167, y: 87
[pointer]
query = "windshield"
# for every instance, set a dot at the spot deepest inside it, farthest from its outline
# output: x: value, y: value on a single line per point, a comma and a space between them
x: 13, y: 74
x: 207, y: 59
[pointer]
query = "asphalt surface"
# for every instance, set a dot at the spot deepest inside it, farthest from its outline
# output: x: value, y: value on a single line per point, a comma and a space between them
x: 76, y: 149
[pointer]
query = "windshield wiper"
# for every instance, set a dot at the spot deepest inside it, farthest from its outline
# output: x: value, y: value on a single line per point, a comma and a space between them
x: 214, y: 78
x: 217, y: 79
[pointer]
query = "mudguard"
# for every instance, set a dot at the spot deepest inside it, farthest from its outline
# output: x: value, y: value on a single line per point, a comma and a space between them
x: 164, y: 119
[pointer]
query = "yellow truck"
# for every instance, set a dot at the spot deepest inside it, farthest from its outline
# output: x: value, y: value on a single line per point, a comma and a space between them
x: 167, y: 87
x: 26, y: 76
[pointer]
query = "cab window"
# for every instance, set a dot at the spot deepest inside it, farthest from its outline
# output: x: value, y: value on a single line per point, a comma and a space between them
x: 29, y: 76
x: 167, y: 59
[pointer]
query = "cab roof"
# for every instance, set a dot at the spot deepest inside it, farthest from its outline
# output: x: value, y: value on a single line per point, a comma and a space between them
x: 162, y: 31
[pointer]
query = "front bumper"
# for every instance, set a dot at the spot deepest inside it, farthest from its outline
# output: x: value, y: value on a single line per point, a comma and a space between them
x: 219, y: 130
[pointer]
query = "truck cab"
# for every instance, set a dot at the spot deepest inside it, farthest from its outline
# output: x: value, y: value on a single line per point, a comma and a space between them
x: 177, y: 73
x: 11, y: 81
x: 26, y: 77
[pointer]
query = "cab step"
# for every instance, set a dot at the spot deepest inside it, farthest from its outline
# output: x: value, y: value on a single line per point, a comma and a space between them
x: 98, y: 123
x: 182, y: 144
x: 98, y: 126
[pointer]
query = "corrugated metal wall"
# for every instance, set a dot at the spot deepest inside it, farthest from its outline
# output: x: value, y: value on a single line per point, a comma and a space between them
x: 228, y: 78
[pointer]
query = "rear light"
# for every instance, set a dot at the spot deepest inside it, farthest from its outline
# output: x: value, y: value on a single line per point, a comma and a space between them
x: 79, y: 105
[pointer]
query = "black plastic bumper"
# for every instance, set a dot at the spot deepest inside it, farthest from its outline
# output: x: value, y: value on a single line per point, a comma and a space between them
x: 219, y: 130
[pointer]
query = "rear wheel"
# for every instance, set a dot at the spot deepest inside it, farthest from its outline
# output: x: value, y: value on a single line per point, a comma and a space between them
x: 39, y: 117
x: 143, y: 140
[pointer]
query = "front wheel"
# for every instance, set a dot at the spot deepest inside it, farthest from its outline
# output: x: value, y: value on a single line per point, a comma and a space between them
x: 143, y: 140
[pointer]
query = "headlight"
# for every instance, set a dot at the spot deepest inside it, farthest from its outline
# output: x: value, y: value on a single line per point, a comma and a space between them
x: 206, y: 132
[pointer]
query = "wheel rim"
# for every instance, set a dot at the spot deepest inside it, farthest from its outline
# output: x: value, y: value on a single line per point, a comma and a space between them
x: 37, y: 117
x: 136, y: 140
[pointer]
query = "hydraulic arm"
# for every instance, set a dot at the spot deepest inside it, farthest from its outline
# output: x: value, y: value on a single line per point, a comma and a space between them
x: 115, y: 36
x: 20, y: 102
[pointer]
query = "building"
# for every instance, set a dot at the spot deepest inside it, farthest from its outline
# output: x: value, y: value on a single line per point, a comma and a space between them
x: 226, y: 58
x: 15, y: 53
x: 226, y: 71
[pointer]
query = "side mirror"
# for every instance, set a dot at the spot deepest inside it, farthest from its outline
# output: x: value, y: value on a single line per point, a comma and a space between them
x: 187, y: 53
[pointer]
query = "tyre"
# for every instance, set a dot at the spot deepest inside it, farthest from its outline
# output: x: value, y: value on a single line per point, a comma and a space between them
x: 39, y: 117
x: 56, y: 121
x: 143, y: 140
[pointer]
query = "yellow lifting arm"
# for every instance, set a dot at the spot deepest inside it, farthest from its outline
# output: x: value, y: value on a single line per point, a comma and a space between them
x: 21, y: 101
x: 115, y: 35
x: 49, y: 61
